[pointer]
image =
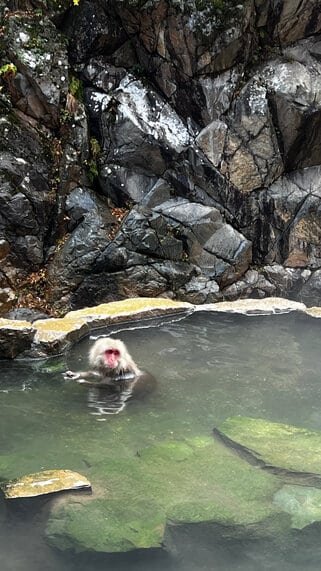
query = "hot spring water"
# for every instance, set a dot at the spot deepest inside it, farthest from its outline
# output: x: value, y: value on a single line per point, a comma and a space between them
x: 209, y: 367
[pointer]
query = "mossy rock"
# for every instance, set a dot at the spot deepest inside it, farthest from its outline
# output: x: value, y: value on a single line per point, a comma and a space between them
x: 284, y: 447
x: 303, y: 504
x: 195, y: 481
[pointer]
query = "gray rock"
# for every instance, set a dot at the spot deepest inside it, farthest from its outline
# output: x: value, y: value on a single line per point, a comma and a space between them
x: 310, y: 293
x: 13, y: 341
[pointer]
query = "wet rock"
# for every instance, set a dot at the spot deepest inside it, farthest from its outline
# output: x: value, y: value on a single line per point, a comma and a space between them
x: 152, y: 244
x: 124, y: 185
x: 289, y: 21
x: 45, y: 482
x: 4, y: 249
x: 295, y: 230
x: 252, y: 284
x: 53, y: 336
x: 284, y: 449
x: 92, y: 28
x: 137, y: 127
x: 200, y: 290
x: 179, y: 43
x: 26, y: 314
x: 37, y: 45
x: 7, y: 299
x: 211, y: 474
x: 15, y: 337
x: 310, y: 292
x: 26, y: 203
x: 78, y: 254
x: 166, y: 100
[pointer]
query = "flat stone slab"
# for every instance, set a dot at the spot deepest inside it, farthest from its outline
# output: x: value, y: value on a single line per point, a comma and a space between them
x: 45, y: 482
x: 266, y: 306
x: 53, y: 336
x: 288, y: 449
x: 15, y: 337
x: 128, y: 310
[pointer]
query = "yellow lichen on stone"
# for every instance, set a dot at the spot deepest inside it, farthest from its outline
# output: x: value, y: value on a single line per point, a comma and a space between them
x: 45, y: 482
x: 14, y: 324
x: 313, y: 311
x: 129, y: 306
x: 60, y: 330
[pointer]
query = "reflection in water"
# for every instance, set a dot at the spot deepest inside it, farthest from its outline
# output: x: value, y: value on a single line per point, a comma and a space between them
x: 110, y: 400
x: 208, y: 367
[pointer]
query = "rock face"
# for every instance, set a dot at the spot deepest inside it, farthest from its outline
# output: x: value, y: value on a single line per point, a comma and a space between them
x: 162, y: 149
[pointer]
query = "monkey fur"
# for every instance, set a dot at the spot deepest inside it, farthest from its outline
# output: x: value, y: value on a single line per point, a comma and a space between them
x: 113, y: 376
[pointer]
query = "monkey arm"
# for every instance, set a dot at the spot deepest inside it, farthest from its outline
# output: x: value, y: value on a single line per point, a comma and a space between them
x: 82, y: 375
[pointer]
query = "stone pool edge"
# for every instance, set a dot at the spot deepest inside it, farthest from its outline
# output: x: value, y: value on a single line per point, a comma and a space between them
x: 49, y: 337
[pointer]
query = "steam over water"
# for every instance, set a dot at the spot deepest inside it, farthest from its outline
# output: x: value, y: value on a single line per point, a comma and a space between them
x: 209, y: 367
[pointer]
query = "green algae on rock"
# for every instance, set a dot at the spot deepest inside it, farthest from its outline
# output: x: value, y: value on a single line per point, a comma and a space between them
x: 45, y: 482
x: 131, y: 308
x: 302, y: 503
x: 276, y: 445
x: 198, y: 480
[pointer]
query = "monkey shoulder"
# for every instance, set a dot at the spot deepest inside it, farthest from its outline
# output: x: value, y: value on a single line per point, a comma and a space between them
x: 144, y: 383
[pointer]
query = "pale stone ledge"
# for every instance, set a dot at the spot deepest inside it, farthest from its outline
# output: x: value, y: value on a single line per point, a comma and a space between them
x: 48, y: 337
x: 266, y: 306
x: 128, y: 309
x: 53, y: 336
x: 313, y: 311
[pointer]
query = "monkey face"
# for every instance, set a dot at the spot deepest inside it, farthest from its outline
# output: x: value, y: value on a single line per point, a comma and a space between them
x: 111, y: 358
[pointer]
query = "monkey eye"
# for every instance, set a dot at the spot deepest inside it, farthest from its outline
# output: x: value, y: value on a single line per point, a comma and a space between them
x: 112, y: 352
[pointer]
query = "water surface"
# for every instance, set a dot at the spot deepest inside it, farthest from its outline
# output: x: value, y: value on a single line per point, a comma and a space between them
x: 208, y: 367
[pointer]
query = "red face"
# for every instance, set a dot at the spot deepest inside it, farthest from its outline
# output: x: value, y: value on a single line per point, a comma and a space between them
x: 112, y: 356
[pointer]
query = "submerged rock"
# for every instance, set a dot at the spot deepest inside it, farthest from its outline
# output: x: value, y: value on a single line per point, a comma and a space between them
x: 287, y: 450
x: 303, y: 504
x: 158, y: 497
x: 45, y: 482
x: 176, y: 483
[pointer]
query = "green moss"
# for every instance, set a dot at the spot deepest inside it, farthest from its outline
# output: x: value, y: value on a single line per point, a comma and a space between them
x: 8, y: 69
x: 192, y: 481
x: 303, y: 504
x: 76, y: 87
x: 281, y: 445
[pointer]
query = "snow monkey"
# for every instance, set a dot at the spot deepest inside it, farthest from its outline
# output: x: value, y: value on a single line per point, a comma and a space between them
x: 113, y: 376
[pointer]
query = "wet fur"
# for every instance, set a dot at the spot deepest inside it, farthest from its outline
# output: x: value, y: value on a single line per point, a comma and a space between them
x: 111, y: 387
x: 97, y: 360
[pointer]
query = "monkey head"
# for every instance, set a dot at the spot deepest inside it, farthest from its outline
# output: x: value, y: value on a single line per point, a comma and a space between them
x: 111, y: 358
